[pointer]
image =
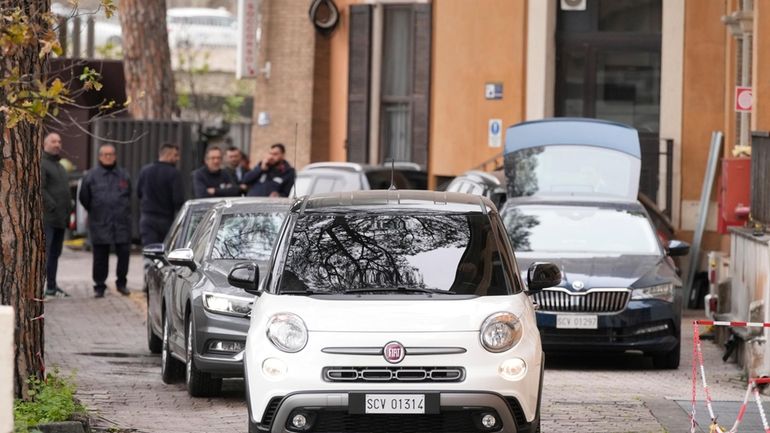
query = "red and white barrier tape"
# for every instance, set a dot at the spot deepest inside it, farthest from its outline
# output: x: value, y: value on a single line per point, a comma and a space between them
x: 697, y: 364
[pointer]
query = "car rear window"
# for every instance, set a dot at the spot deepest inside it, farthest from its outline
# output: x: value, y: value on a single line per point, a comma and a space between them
x: 448, y: 253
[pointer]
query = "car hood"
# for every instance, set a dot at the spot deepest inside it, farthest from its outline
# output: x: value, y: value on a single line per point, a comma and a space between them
x: 411, y: 313
x: 617, y: 271
x: 216, y: 272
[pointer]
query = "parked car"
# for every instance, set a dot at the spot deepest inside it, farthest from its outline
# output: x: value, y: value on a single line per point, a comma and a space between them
x: 158, y: 273
x: 201, y: 27
x: 490, y: 185
x: 323, y: 177
x: 205, y: 319
x: 572, y: 199
x: 386, y: 309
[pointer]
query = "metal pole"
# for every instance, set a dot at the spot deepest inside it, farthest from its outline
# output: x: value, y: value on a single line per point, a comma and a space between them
x: 76, y: 30
x: 708, y: 181
x: 375, y: 91
x: 90, y: 37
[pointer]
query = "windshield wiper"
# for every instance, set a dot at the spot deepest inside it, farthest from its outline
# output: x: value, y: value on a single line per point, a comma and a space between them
x: 396, y: 289
x: 304, y: 292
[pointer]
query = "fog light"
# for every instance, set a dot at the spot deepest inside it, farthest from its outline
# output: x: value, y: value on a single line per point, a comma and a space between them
x: 651, y: 329
x: 488, y: 421
x: 299, y: 421
x: 274, y: 369
x: 512, y: 369
x: 226, y: 346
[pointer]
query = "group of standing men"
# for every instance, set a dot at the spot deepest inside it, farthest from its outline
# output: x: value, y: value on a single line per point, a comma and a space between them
x: 106, y: 189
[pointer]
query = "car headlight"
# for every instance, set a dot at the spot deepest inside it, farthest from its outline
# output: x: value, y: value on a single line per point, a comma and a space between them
x: 500, y: 332
x: 227, y: 304
x: 663, y: 292
x: 287, y: 332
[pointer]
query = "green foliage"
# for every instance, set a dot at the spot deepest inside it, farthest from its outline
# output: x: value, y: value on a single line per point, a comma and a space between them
x: 231, y: 107
x: 51, y: 400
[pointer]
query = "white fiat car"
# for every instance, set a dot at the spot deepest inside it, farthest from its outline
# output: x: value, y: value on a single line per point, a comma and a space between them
x: 393, y: 311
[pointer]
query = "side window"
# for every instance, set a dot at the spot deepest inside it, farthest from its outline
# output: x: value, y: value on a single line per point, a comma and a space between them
x: 170, y: 241
x: 200, y: 240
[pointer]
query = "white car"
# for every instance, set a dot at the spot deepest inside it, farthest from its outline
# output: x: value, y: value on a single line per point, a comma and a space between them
x: 393, y: 311
x: 201, y: 27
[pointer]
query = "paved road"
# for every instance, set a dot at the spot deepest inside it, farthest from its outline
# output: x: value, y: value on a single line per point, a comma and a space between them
x: 103, y: 342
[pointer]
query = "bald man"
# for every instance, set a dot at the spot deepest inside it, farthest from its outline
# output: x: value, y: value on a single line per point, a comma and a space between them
x: 57, y: 207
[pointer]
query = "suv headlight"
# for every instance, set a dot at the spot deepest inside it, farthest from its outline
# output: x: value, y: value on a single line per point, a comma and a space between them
x: 500, y: 332
x: 287, y: 332
x: 663, y: 292
x: 227, y: 304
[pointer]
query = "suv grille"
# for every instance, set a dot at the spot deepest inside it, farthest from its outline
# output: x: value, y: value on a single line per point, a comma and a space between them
x: 592, y: 301
x: 394, y: 374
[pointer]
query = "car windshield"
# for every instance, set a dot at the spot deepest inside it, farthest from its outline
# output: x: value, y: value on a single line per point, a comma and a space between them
x: 246, y: 236
x: 394, y: 253
x: 579, y: 229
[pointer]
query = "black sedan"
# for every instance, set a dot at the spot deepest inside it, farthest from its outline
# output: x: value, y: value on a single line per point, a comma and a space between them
x: 620, y: 289
x: 205, y: 320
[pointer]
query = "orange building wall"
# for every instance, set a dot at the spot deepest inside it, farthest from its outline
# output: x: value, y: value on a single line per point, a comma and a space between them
x: 338, y: 83
x: 761, y: 80
x: 474, y: 42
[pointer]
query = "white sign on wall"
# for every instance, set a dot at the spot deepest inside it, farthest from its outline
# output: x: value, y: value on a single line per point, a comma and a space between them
x: 495, y: 131
x: 247, y: 55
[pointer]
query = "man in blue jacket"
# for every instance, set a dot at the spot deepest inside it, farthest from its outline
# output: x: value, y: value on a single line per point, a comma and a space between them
x: 210, y: 180
x: 106, y: 195
x: 160, y: 192
x: 273, y: 177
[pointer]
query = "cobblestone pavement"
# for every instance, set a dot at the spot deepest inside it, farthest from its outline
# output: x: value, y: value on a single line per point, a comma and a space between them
x: 103, y: 342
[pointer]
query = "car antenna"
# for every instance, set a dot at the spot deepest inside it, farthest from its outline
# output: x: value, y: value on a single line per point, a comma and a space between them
x: 392, y: 171
x: 294, y: 190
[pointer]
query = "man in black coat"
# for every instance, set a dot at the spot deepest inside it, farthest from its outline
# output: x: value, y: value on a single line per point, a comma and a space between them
x: 106, y: 195
x: 273, y: 177
x: 160, y: 192
x: 56, y: 202
x: 210, y: 180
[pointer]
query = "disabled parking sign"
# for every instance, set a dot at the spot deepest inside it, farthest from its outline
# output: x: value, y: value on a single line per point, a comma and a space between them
x: 495, y: 130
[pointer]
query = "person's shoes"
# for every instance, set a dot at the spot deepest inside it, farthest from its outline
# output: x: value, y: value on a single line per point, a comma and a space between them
x: 124, y: 291
x: 98, y: 293
x: 56, y: 293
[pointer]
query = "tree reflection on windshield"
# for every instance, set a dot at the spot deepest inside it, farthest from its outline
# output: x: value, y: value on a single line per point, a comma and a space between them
x: 246, y: 236
x: 337, y: 253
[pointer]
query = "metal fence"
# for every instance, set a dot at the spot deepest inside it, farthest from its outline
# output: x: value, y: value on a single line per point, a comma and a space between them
x: 760, y: 167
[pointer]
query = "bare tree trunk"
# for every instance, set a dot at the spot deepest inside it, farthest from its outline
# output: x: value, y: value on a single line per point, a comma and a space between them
x: 147, y: 59
x: 22, y: 258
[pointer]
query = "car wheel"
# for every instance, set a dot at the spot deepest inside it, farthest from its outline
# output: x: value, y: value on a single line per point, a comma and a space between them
x: 170, y: 368
x: 667, y: 360
x: 199, y: 384
x: 154, y: 343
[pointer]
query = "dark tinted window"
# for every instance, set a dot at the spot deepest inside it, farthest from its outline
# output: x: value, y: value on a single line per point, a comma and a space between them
x: 246, y: 236
x: 453, y: 253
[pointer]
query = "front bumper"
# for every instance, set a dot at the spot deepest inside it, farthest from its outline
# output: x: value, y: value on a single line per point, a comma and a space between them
x: 211, y: 328
x: 648, y: 326
x: 458, y: 411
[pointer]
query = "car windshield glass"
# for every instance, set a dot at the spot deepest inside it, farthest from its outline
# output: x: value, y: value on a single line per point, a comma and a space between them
x: 579, y: 229
x: 394, y: 254
x: 246, y: 236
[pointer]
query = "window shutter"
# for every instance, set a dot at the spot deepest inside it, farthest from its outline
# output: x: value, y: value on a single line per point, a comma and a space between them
x: 421, y: 83
x: 359, y: 75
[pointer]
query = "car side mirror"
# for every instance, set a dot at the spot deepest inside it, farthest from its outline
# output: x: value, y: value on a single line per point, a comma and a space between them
x: 678, y: 248
x: 245, y: 276
x: 182, y: 257
x: 542, y: 275
x: 154, y: 251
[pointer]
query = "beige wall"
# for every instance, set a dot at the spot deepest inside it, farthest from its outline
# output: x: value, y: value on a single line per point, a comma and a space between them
x: 338, y: 84
x: 474, y: 42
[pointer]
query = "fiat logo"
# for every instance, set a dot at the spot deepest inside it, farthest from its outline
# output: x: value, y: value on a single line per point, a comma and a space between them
x: 394, y: 352
x: 578, y: 285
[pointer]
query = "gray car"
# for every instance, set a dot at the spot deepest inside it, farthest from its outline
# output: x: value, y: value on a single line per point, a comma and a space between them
x: 205, y: 320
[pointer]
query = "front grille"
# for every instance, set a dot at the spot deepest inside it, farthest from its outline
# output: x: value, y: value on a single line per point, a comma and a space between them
x: 394, y: 374
x: 592, y: 301
x: 607, y: 335
x: 445, y: 422
x: 272, y: 408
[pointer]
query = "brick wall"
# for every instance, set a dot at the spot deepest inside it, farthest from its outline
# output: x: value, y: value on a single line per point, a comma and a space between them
x: 287, y: 96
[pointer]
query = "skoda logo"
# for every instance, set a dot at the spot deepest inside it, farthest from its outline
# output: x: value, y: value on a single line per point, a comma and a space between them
x: 393, y: 352
x: 578, y: 285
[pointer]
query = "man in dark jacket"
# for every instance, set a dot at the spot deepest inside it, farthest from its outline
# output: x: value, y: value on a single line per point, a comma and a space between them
x: 106, y: 195
x: 56, y: 201
x: 210, y: 180
x: 160, y: 192
x: 273, y: 177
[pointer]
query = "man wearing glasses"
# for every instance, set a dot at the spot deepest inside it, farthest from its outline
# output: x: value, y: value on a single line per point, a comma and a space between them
x: 106, y: 195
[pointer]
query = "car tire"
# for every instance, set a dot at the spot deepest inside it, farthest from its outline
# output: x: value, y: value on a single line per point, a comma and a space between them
x: 667, y: 360
x: 199, y: 384
x: 170, y: 368
x: 154, y: 343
